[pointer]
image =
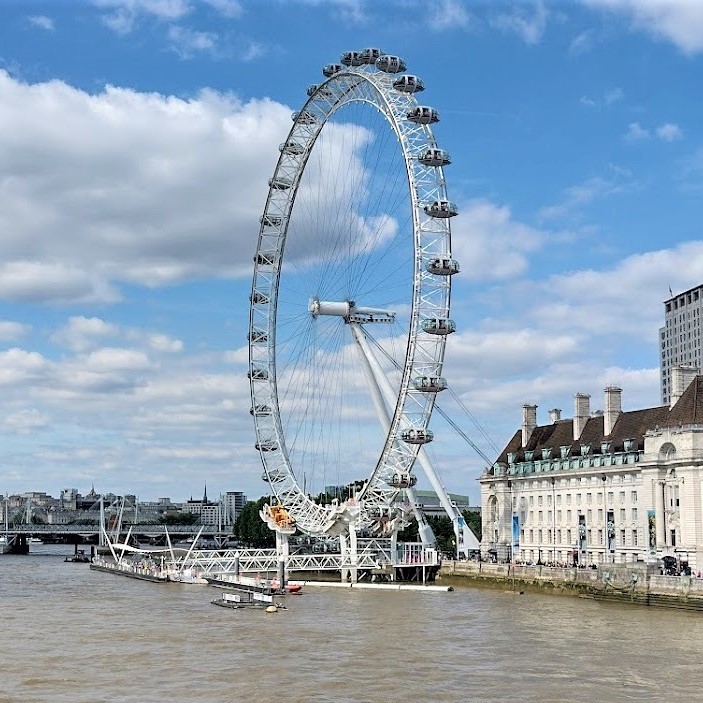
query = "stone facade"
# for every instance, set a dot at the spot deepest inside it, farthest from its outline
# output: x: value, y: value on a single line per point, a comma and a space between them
x: 613, y: 487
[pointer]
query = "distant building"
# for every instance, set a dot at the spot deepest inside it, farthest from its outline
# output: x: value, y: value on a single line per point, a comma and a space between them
x: 232, y: 504
x: 681, y: 338
x: 208, y: 512
x: 429, y: 501
x: 610, y: 486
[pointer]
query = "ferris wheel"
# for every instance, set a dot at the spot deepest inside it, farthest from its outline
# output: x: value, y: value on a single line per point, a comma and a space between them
x: 350, y: 296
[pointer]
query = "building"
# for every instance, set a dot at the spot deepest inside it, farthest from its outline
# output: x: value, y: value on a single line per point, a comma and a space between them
x: 680, y: 338
x: 430, y: 504
x: 610, y: 486
x: 233, y: 503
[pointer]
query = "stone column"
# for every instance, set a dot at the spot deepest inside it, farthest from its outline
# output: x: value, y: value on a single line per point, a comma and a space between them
x: 659, y: 508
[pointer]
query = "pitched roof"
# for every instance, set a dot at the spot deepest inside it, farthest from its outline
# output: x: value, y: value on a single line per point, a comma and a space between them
x: 632, y: 424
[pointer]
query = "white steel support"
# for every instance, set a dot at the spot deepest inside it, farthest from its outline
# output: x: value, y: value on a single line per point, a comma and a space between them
x: 465, y: 539
x: 374, y: 374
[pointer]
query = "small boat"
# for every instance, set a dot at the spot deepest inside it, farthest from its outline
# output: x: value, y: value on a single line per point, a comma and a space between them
x: 244, y: 599
x: 80, y: 557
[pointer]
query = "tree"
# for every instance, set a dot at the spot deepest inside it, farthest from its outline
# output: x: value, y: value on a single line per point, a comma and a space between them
x: 251, y: 529
x: 473, y: 520
x: 179, y: 519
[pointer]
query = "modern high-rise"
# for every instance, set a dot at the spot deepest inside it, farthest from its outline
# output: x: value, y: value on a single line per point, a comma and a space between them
x: 681, y: 338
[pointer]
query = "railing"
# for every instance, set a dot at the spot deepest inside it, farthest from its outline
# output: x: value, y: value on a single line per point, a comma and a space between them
x: 85, y: 529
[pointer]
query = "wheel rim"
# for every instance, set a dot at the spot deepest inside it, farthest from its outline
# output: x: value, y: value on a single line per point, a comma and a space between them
x: 284, y: 261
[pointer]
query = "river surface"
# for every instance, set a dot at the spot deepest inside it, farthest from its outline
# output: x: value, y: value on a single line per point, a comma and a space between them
x: 71, y: 634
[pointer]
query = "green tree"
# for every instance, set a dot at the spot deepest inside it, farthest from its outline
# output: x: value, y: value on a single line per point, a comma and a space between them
x: 179, y: 519
x: 251, y: 529
x: 473, y: 520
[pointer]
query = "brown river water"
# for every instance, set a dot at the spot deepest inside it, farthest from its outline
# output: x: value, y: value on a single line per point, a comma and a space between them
x: 73, y: 635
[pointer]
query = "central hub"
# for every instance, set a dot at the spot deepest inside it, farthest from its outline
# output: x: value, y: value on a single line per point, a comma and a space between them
x: 349, y: 311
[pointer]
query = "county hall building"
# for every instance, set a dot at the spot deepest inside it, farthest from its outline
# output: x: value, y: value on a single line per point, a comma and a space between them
x: 607, y: 486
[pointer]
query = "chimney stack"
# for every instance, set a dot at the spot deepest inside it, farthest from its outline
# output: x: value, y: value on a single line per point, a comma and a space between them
x: 613, y: 408
x: 529, y: 422
x: 582, y: 411
x: 681, y: 377
x: 554, y: 415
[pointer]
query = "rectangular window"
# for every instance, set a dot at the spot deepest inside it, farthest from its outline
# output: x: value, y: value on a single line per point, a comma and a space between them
x: 539, y: 536
x: 532, y: 501
x: 623, y: 517
x: 673, y: 538
x: 600, y: 536
x: 634, y: 514
x: 589, y: 515
x: 559, y: 516
x: 568, y: 516
x: 578, y: 499
x: 622, y: 538
x: 611, y: 497
x: 559, y: 499
x: 568, y: 536
x: 539, y: 517
x: 532, y: 536
x: 532, y: 515
x: 600, y: 514
x: 549, y: 500
x: 588, y: 536
x: 634, y: 496
x: 558, y: 536
x: 622, y: 496
x: 568, y: 498
x: 589, y: 497
x: 539, y: 500
x: 549, y: 515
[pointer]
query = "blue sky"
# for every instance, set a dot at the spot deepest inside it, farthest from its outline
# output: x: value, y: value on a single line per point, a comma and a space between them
x: 136, y: 139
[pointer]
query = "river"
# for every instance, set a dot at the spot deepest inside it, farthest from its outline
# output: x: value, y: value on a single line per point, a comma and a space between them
x: 73, y: 635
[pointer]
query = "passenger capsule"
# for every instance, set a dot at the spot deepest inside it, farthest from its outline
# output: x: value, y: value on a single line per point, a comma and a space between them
x: 409, y: 84
x: 441, y: 208
x: 390, y: 64
x: 267, y: 446
x: 258, y: 336
x: 270, y: 220
x: 258, y: 374
x: 291, y: 148
x: 259, y: 298
x: 417, y: 436
x: 423, y: 115
x: 312, y: 88
x: 322, y: 92
x: 280, y: 183
x: 331, y: 68
x: 260, y: 410
x: 430, y: 384
x: 443, y: 267
x: 439, y: 325
x: 402, y: 480
x: 352, y: 58
x: 303, y: 117
x: 434, y: 157
x: 370, y: 55
x: 266, y: 258
x: 274, y: 476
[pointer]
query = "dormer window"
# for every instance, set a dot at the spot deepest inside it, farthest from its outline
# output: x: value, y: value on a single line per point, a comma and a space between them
x: 585, y: 449
x: 511, y: 457
x: 565, y: 451
x: 605, y: 447
x: 628, y: 444
x: 529, y: 454
x: 547, y: 453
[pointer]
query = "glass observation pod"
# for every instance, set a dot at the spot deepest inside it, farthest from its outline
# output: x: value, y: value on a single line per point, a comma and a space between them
x: 417, y: 436
x: 291, y: 148
x: 270, y: 220
x: 430, y: 384
x: 258, y: 298
x: 409, y: 84
x: 376, y: 512
x: 352, y: 58
x: 331, y: 68
x: 275, y: 476
x: 402, y: 480
x: 390, y: 64
x: 280, y: 183
x: 257, y: 374
x: 303, y: 117
x: 423, y: 115
x: 267, y: 446
x: 443, y: 267
x: 439, y: 325
x: 266, y: 258
x: 370, y: 55
x: 258, y: 336
x: 435, y: 157
x: 260, y: 410
x: 441, y: 208
x: 321, y: 92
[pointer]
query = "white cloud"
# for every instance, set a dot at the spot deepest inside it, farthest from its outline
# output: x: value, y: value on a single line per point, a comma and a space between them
x: 227, y: 8
x: 613, y: 95
x: 588, y: 102
x: 112, y: 187
x: 41, y: 22
x: 529, y: 26
x: 581, y: 43
x: 82, y: 333
x: 577, y: 196
x: 448, y: 14
x: 164, y: 343
x: 186, y: 42
x: 677, y: 21
x: 25, y: 421
x: 124, y: 14
x: 12, y: 331
x: 489, y: 243
x: 636, y: 133
x: 669, y: 132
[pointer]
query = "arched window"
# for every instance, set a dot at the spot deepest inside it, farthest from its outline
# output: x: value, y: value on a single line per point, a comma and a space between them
x: 667, y: 452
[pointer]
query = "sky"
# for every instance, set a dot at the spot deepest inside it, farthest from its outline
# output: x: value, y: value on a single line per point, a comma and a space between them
x: 136, y: 141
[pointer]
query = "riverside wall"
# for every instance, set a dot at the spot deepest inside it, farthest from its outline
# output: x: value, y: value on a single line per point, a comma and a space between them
x: 640, y: 584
